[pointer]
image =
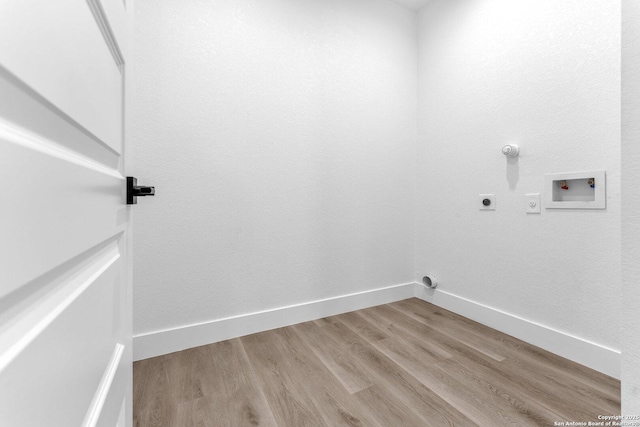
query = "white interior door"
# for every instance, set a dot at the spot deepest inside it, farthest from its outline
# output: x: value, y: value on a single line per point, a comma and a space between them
x: 65, y: 313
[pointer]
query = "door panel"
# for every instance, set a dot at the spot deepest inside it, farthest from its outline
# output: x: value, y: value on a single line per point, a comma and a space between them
x: 78, y: 352
x: 69, y: 205
x: 65, y: 300
x: 29, y: 110
x: 64, y: 56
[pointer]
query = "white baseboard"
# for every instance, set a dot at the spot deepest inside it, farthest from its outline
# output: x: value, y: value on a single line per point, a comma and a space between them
x: 586, y: 353
x: 167, y: 341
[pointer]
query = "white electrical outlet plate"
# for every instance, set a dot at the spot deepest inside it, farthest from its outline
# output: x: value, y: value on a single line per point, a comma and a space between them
x: 487, y: 202
x: 532, y: 203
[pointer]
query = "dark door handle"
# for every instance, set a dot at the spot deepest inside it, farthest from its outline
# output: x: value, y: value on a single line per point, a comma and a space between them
x: 134, y: 190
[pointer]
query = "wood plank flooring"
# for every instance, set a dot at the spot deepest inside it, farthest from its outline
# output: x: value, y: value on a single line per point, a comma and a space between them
x: 409, y: 363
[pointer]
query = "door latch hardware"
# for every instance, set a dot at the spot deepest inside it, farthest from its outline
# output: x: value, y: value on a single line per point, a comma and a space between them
x: 134, y: 190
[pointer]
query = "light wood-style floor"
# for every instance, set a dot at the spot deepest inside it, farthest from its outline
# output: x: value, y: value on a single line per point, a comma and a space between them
x: 409, y: 363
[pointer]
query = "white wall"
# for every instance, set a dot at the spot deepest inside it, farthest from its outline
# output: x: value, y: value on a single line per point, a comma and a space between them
x: 280, y: 137
x: 630, y: 207
x: 544, y: 74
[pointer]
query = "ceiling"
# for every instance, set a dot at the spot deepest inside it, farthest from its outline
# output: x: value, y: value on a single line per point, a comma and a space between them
x: 412, y: 4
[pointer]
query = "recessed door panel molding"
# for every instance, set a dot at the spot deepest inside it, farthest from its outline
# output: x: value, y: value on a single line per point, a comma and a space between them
x: 78, y: 337
x: 111, y: 17
x: 70, y: 205
x: 68, y: 62
x: 28, y: 112
x: 26, y: 313
x: 109, y: 392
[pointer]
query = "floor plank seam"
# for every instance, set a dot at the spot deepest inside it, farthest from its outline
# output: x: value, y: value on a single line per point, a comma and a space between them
x: 405, y: 363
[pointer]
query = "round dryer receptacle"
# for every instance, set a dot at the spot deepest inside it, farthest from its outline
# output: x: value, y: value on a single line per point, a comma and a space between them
x: 430, y: 282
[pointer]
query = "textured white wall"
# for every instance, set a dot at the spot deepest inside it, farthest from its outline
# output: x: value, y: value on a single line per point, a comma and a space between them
x: 544, y: 74
x: 280, y: 137
x: 412, y: 4
x: 630, y: 207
